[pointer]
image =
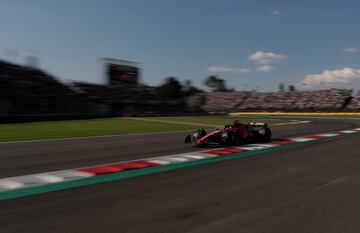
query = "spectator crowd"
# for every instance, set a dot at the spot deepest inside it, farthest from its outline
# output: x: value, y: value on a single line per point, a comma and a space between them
x: 355, y: 102
x: 332, y: 99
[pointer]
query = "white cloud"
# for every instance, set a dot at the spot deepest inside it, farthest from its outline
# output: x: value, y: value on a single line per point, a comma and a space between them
x: 275, y: 12
x: 227, y: 69
x: 350, y: 50
x: 265, y: 68
x: 331, y: 78
x: 261, y: 57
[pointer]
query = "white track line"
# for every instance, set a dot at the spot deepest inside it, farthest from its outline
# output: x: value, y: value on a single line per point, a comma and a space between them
x: 206, y: 125
x: 173, y: 122
x: 91, y: 137
x: 292, y: 123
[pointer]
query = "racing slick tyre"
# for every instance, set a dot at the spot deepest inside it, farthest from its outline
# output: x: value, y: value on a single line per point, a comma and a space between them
x: 188, y: 139
x: 228, y: 139
x: 201, y: 133
x: 193, y: 137
x: 267, y: 135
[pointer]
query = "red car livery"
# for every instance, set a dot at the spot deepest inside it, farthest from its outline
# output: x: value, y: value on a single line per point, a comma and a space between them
x: 233, y: 134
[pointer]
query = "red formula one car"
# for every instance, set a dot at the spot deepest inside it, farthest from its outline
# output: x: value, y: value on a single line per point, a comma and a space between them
x: 233, y: 134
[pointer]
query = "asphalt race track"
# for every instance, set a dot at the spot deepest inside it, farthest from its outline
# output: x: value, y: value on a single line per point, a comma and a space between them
x: 312, y: 188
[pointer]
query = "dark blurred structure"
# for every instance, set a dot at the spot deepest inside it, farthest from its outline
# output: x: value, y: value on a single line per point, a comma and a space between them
x: 122, y: 72
x: 128, y: 100
x: 31, y: 92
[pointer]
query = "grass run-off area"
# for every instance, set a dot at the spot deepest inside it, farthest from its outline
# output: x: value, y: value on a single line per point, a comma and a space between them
x: 113, y: 126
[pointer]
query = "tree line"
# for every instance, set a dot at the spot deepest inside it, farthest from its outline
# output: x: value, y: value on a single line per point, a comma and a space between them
x: 173, y: 88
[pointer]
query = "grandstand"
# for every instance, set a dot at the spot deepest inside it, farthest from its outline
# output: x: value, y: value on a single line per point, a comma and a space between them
x: 268, y: 100
x: 355, y: 102
x: 218, y: 101
x: 332, y: 99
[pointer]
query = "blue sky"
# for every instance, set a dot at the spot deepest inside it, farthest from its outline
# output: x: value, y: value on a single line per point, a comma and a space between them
x: 296, y: 41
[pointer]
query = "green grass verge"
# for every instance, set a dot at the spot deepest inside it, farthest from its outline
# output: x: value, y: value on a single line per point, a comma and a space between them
x: 107, y: 126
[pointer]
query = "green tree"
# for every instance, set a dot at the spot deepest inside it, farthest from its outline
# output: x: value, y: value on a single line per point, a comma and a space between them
x: 171, y: 88
x: 189, y: 89
x: 215, y: 83
x: 292, y: 88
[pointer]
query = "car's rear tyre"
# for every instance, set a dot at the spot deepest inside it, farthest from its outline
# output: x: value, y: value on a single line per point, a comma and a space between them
x: 267, y: 135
